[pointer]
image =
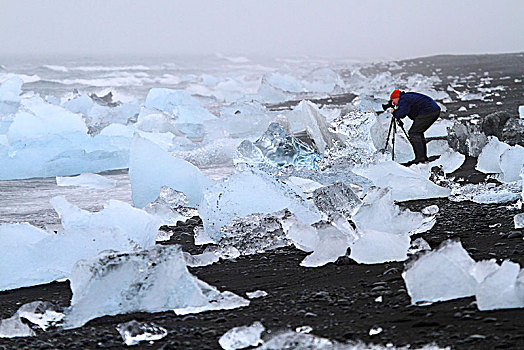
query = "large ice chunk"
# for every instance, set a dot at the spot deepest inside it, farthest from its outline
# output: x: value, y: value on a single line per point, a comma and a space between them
x: 277, y: 148
x: 180, y: 103
x: 242, y: 337
x: 150, y: 280
x: 10, y: 91
x: 336, y: 198
x: 502, y: 289
x: 511, y: 163
x: 306, y: 116
x: 489, y: 159
x: 405, y: 183
x: 250, y: 192
x: 330, y: 244
x: 33, y: 256
x: 375, y: 247
x: 151, y: 168
x: 443, y: 274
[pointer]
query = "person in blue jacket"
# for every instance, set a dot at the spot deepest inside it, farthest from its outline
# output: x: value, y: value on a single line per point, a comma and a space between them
x: 424, y: 111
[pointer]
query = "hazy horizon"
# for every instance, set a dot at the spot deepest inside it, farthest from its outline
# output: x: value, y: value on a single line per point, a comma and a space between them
x: 324, y: 29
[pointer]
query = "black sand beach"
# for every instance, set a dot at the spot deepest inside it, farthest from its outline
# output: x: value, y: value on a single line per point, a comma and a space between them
x: 338, y: 300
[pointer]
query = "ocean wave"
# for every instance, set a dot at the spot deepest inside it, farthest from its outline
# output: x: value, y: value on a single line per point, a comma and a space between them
x: 56, y: 68
x: 110, y: 68
x: 26, y: 78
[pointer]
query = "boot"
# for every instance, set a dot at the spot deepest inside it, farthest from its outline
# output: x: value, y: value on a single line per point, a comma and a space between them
x: 419, y: 148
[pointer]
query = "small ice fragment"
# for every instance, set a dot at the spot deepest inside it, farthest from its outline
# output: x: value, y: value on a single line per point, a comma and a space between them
x: 304, y: 329
x: 418, y: 245
x: 378, y: 299
x: 431, y: 210
x: 40, y: 313
x: 375, y: 331
x: 133, y: 332
x: 519, y: 220
x: 256, y: 294
x: 462, y: 109
x: 521, y: 112
x: 242, y: 337
x: 204, y: 259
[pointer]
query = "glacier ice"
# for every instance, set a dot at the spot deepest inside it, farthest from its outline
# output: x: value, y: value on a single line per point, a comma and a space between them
x: 374, y: 247
x: 151, y: 168
x: 486, y: 192
x: 180, y: 103
x: 33, y: 256
x: 330, y: 244
x: 133, y: 332
x: 256, y: 294
x: 86, y: 180
x: 489, y: 159
x: 42, y: 314
x: 442, y: 274
x: 276, y: 148
x: 511, y: 163
x: 242, y: 337
x: 518, y: 220
x: 502, y: 289
x: 249, y: 192
x: 336, y: 198
x: 307, y: 116
x: 151, y: 280
x: 405, y: 183
x: 10, y: 91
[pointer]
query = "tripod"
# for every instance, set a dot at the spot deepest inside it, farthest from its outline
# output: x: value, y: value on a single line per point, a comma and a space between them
x: 393, y: 126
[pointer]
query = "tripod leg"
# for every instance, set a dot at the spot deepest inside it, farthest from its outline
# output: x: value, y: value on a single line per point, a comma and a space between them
x: 393, y: 141
x: 389, y: 133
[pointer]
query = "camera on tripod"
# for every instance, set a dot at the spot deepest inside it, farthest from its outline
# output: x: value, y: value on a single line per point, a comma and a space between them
x: 388, y: 105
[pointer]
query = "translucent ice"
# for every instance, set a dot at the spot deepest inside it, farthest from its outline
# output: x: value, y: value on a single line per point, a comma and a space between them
x: 86, y: 180
x: 375, y: 247
x: 380, y: 213
x: 519, y: 220
x: 150, y: 280
x: 246, y: 193
x: 511, y: 163
x: 277, y: 148
x: 256, y: 294
x: 10, y: 91
x: 446, y: 273
x: 39, y: 313
x: 242, y: 337
x: 489, y: 159
x: 133, y: 332
x: 331, y: 244
x: 180, y: 103
x: 33, y: 256
x: 336, y: 198
x: 405, y: 183
x: 306, y: 116
x: 151, y: 168
x: 502, y: 289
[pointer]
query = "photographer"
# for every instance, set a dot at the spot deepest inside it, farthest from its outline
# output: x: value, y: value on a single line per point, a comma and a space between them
x: 423, y: 110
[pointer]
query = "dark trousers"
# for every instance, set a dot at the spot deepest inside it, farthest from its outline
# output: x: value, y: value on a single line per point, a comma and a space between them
x: 416, y: 134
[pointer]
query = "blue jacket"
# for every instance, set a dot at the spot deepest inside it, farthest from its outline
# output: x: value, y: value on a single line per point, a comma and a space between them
x: 412, y: 104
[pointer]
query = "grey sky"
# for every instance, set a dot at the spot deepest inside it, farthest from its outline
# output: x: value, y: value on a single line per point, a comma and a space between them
x: 360, y: 28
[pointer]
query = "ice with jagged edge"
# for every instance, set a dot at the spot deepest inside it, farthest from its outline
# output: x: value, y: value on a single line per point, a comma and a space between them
x: 10, y: 97
x: 445, y: 273
x: 276, y: 148
x: 486, y: 192
x: 242, y: 337
x: 41, y: 314
x: 170, y: 207
x: 337, y: 198
x: 86, y: 180
x: 489, y: 159
x: 134, y: 332
x: 250, y: 192
x: 151, y: 280
x: 152, y: 167
x: 503, y: 289
x: 405, y: 183
x: 33, y: 256
x: 294, y: 340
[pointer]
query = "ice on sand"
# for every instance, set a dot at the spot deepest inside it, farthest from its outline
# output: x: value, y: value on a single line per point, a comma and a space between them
x: 242, y: 337
x: 33, y: 256
x: 133, y: 332
x: 151, y: 168
x: 374, y: 247
x: 330, y: 244
x: 489, y: 159
x: 511, y: 163
x: 151, y: 280
x: 519, y: 220
x: 250, y: 192
x: 86, y: 180
x: 502, y: 289
x: 405, y: 183
x: 277, y: 148
x: 443, y: 274
x: 41, y: 314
